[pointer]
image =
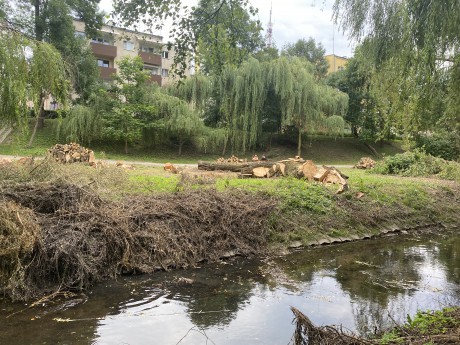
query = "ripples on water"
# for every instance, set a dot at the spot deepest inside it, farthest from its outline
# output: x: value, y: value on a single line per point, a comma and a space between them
x: 358, y: 285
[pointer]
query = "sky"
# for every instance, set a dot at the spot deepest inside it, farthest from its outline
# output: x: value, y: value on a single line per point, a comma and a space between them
x: 292, y: 20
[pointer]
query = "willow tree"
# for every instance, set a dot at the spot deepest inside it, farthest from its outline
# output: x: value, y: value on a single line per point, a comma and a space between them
x: 48, y: 77
x: 13, y: 79
x: 305, y: 103
x: 30, y: 71
x: 420, y: 39
x: 242, y: 93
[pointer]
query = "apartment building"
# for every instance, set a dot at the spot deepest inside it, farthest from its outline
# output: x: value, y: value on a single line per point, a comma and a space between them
x: 336, y: 63
x: 113, y: 43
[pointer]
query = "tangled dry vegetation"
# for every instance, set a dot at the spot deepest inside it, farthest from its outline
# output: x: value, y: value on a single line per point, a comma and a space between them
x: 60, y: 236
x: 431, y: 328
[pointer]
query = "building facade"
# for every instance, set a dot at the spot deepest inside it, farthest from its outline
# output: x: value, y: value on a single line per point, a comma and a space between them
x: 111, y: 44
x: 336, y: 63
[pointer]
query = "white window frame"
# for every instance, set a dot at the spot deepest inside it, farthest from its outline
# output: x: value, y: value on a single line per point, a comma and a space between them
x: 165, y: 54
x: 128, y: 45
x: 165, y: 72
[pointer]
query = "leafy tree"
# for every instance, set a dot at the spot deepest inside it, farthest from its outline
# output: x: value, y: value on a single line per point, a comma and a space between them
x: 125, y: 121
x: 305, y: 103
x: 30, y: 71
x: 14, y: 71
x: 266, y: 54
x: 355, y: 81
x: 418, y: 42
x: 229, y: 24
x: 47, y: 76
x: 38, y: 18
x: 310, y: 50
x: 223, y: 25
x: 52, y: 21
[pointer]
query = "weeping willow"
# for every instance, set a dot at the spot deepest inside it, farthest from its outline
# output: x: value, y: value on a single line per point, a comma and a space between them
x: 242, y: 93
x: 13, y: 79
x: 306, y: 104
x: 83, y: 125
x: 195, y: 90
x: 239, y: 95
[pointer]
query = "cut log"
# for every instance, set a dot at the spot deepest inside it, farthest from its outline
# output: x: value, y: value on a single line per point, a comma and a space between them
x: 282, y: 168
x: 260, y: 172
x: 321, y: 174
x: 309, y: 170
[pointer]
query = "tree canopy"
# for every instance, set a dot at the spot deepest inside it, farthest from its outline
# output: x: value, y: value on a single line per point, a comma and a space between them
x: 217, y: 31
x: 415, y: 47
x: 310, y: 50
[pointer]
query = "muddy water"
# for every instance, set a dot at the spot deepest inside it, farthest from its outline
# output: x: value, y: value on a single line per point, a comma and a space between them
x: 359, y: 285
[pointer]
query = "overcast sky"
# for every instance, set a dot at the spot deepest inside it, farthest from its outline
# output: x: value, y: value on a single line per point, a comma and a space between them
x: 292, y: 20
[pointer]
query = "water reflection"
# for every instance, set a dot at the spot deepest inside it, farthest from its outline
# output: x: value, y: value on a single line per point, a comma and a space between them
x: 358, y: 285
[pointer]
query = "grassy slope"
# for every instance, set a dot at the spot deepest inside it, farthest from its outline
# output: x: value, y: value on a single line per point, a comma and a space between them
x: 322, y: 150
x: 312, y: 213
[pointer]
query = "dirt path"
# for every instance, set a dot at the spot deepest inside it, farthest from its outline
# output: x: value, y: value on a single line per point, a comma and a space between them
x: 150, y: 164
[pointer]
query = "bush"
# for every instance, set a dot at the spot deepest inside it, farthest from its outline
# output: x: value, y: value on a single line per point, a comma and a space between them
x: 441, y: 144
x: 418, y: 163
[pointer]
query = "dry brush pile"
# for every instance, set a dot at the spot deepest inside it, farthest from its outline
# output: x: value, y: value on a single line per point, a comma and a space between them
x: 63, y: 237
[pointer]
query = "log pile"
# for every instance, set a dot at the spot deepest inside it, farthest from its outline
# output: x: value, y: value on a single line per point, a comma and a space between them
x: 295, y: 167
x: 365, y: 163
x: 70, y: 153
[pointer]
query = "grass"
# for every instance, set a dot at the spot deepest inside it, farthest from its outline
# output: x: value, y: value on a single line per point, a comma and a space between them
x: 309, y: 212
x: 322, y: 150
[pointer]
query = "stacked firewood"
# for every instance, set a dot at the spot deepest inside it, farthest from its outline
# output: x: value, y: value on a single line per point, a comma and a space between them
x: 70, y: 153
x: 365, y: 163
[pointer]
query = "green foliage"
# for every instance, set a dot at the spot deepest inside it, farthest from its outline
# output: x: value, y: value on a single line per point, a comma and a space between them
x: 13, y: 79
x: 82, y: 125
x: 413, y: 48
x: 30, y: 71
x: 310, y: 50
x: 431, y: 322
x: 218, y: 32
x: 418, y: 163
x: 232, y: 29
x: 440, y: 144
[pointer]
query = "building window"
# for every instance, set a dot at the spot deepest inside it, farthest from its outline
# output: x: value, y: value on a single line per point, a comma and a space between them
x: 150, y: 50
x: 165, y: 55
x: 103, y: 63
x: 340, y: 68
x: 100, y: 40
x: 128, y: 45
x: 80, y: 34
x: 153, y: 70
x: 164, y: 72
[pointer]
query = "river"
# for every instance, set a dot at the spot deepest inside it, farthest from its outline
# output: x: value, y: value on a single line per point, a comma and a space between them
x: 359, y: 285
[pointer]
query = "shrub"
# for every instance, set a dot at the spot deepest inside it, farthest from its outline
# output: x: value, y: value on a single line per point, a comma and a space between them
x: 418, y: 163
x: 441, y: 144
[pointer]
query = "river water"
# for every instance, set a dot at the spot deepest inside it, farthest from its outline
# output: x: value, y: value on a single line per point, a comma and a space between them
x: 247, y: 301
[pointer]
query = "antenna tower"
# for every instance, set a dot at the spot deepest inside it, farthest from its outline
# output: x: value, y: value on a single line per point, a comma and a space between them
x: 270, y: 29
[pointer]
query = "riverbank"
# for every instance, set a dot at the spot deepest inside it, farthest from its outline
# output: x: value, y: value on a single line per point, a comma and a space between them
x: 68, y: 227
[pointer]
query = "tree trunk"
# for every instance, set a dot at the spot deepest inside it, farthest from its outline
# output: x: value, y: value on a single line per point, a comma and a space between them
x: 235, y: 167
x: 37, y: 122
x: 299, y: 143
x: 38, y: 22
x: 181, y: 143
x: 126, y: 145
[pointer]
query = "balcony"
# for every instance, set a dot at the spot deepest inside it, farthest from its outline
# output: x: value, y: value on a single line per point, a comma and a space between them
x: 103, y: 50
x: 156, y: 78
x: 151, y: 59
x: 107, y: 72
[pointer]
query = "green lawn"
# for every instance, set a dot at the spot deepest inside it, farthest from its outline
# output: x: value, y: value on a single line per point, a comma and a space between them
x: 320, y: 149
